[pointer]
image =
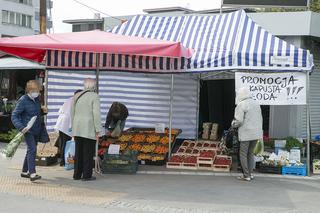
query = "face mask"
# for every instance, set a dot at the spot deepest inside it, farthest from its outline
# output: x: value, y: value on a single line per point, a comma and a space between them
x: 34, y: 94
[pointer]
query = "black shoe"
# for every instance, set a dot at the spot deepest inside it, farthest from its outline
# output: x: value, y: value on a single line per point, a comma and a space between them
x: 37, y: 177
x: 25, y: 175
x: 76, y: 178
x: 89, y: 179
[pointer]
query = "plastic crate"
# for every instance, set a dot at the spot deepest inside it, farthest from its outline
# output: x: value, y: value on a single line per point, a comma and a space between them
x: 270, y: 169
x: 294, y: 170
x: 130, y: 168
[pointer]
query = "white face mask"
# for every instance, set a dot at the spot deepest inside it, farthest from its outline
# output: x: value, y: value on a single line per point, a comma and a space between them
x: 34, y: 94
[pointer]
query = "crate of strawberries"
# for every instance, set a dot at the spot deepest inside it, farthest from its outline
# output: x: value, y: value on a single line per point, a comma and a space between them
x: 222, y: 163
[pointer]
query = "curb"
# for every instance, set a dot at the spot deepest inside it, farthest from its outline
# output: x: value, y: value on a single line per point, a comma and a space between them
x: 230, y: 174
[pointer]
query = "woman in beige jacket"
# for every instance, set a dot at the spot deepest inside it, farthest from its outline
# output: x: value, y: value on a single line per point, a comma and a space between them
x: 86, y: 128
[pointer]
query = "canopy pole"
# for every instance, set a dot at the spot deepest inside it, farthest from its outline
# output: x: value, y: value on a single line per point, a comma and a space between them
x: 97, y: 166
x: 198, y: 106
x: 46, y: 93
x: 221, y: 7
x: 308, y: 122
x: 170, y: 115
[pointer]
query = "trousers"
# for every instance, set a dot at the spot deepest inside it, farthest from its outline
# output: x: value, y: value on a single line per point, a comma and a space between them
x: 29, y: 164
x: 247, y: 156
x: 84, y: 152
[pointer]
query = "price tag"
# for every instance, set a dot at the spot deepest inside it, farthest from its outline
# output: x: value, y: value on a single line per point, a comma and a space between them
x: 114, y: 149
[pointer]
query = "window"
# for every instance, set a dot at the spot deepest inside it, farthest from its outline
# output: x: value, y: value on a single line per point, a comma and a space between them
x: 24, y: 20
x: 18, y: 19
x: 91, y: 27
x: 5, y: 16
x: 76, y: 28
x: 29, y: 21
x: 11, y: 17
x: 99, y: 26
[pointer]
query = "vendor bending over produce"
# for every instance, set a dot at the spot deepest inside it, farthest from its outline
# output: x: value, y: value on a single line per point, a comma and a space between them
x: 116, y: 119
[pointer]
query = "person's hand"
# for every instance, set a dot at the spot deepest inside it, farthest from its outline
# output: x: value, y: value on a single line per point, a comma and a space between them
x: 25, y: 130
x: 97, y: 135
x: 44, y: 109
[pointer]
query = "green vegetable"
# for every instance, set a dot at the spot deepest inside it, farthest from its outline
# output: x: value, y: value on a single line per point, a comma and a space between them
x: 293, y: 142
x: 12, y: 147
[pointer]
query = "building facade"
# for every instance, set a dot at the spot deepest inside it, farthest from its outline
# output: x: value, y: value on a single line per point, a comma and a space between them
x: 21, y: 17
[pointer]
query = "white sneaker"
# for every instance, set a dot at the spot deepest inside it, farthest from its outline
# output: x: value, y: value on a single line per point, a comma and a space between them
x: 243, y: 178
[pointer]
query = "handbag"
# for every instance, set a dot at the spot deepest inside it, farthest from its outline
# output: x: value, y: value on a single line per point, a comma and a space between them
x: 44, y: 136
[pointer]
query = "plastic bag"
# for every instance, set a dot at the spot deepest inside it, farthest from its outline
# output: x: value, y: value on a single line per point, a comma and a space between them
x: 13, y: 145
x: 117, y: 130
x: 69, y: 154
x: 259, y: 149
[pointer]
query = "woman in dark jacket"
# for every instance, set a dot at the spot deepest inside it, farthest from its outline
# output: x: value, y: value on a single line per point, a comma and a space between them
x: 27, y: 107
x: 117, y: 116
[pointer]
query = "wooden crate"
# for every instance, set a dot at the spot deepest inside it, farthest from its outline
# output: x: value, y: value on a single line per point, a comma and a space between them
x: 221, y: 168
x: 189, y: 166
x: 173, y: 165
x: 205, y: 166
x: 316, y: 168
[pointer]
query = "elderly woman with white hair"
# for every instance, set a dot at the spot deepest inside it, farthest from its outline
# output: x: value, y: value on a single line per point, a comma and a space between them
x: 248, y: 120
x: 86, y: 128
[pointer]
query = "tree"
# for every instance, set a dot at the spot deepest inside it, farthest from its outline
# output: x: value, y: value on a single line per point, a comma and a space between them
x: 315, y: 6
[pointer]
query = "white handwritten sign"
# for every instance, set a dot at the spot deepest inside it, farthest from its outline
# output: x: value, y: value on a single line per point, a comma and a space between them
x: 114, y: 149
x: 274, y: 88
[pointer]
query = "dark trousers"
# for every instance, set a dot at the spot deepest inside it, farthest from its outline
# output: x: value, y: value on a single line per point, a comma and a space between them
x: 29, y: 164
x: 83, y: 165
x: 63, y: 138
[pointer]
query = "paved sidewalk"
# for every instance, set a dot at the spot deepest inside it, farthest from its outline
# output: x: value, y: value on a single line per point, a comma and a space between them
x: 151, y: 192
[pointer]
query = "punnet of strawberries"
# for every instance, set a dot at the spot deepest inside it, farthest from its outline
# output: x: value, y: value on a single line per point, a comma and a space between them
x: 191, y: 159
x: 177, y: 159
x: 222, y: 161
x: 208, y: 154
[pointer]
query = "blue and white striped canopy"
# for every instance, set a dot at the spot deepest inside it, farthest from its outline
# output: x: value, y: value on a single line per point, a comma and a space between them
x: 222, y: 42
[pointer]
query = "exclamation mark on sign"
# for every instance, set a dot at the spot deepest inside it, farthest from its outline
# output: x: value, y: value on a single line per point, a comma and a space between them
x: 299, y: 90
x: 294, y: 89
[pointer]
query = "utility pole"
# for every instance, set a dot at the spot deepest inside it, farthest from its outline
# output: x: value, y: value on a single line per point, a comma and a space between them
x: 43, y: 16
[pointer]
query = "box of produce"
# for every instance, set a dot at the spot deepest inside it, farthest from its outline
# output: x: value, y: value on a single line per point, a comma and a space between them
x: 125, y: 158
x: 129, y: 168
x: 175, y: 162
x: 316, y: 166
x: 297, y: 169
x: 222, y: 163
x: 270, y: 169
x: 148, y: 148
x: 190, y: 162
x: 207, y: 157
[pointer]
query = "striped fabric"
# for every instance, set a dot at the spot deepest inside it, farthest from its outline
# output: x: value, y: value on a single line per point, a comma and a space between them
x: 147, y: 97
x: 58, y: 59
x: 221, y: 42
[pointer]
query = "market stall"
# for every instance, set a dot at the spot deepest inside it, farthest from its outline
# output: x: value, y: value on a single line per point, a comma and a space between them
x: 97, y: 50
x: 227, y: 42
